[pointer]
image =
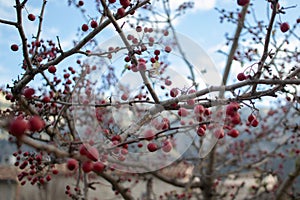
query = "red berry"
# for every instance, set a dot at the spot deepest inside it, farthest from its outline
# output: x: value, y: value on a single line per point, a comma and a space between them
x: 83, y: 149
x: 84, y: 27
x: 87, y: 166
x: 46, y: 99
x: 236, y: 119
x: 138, y: 29
x: 168, y: 49
x: 111, y: 1
x: 251, y: 118
x: 284, y: 27
x: 242, y: 2
x: 36, y: 123
x: 174, y: 92
x: 94, y: 24
x: 14, y: 47
x: 149, y: 135
x: 241, y: 77
x: 167, y: 81
x: 52, y: 69
x: 232, y: 108
x: 18, y: 127
x: 127, y: 59
x: 182, y: 112
x: 201, y: 131
x: 254, y: 123
x: 80, y: 3
x: 72, y: 164
x: 121, y: 12
x: 198, y: 109
x: 98, y: 167
x: 167, y: 146
x: 125, y: 3
x: 48, y: 178
x: 152, y: 147
x: 156, y: 52
x: 31, y: 17
x: 140, y: 145
x: 233, y: 133
x: 28, y: 93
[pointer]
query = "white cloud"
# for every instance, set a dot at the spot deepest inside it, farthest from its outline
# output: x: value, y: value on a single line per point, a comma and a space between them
x: 205, y: 4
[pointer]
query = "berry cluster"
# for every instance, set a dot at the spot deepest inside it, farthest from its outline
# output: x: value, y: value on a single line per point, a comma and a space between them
x: 34, y: 168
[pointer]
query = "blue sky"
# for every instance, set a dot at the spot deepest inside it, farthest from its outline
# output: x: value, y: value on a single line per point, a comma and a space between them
x: 201, y: 24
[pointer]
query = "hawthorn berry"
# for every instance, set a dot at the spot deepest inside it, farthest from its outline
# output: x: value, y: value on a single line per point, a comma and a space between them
x: 31, y: 17
x: 182, y: 112
x: 124, y: 97
x: 138, y: 29
x: 168, y: 49
x: 174, y: 92
x: 94, y: 24
x: 125, y: 3
x: 84, y: 27
x: 152, y: 147
x: 233, y: 133
x: 251, y: 118
x: 18, y: 127
x: 167, y: 146
x: 72, y: 164
x: 242, y: 2
x: 14, y: 47
x: 36, y: 123
x: 98, y: 167
x: 80, y: 3
x: 52, y: 69
x: 28, y: 93
x: 46, y: 99
x: 284, y: 27
x: 55, y: 171
x: 232, y: 108
x: 254, y: 123
x: 167, y: 81
x: 199, y: 109
x: 241, y: 77
x: 87, y: 166
x: 236, y: 119
x: 156, y: 52
x: 121, y: 12
x: 200, y: 131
